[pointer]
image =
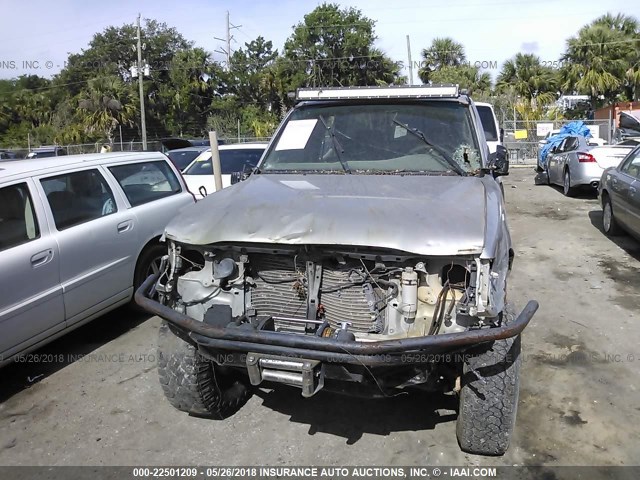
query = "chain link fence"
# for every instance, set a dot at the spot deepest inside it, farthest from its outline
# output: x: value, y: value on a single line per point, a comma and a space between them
x: 522, y: 138
x: 152, y: 145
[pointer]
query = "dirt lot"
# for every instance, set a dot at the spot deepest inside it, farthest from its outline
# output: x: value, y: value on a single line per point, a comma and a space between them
x: 579, y: 401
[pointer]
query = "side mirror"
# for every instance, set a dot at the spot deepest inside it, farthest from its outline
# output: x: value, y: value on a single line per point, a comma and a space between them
x: 554, y: 149
x: 501, y: 164
x: 502, y: 135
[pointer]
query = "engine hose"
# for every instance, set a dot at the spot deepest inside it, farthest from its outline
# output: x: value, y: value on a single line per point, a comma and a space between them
x: 439, y: 310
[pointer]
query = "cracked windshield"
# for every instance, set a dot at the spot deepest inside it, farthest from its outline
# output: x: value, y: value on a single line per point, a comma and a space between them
x: 377, y: 139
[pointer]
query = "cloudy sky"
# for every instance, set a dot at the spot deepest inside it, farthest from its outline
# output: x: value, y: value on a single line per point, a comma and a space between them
x: 491, y: 30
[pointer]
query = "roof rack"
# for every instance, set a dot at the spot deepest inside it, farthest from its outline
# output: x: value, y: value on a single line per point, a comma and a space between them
x: 355, y: 93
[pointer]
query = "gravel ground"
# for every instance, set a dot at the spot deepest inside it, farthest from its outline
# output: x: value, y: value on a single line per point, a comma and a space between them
x: 579, y: 399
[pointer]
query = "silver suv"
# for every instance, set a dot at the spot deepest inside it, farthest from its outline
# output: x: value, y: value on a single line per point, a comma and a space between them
x: 77, y: 235
x: 367, y: 253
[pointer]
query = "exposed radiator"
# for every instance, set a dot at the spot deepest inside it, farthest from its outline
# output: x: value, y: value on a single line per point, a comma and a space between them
x: 280, y: 293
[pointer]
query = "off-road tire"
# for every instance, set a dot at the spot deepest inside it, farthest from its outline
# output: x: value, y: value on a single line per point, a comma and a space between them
x: 195, y: 385
x: 614, y: 227
x: 489, y: 392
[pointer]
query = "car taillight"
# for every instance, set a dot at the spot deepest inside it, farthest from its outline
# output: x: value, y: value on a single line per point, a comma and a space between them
x: 586, y: 158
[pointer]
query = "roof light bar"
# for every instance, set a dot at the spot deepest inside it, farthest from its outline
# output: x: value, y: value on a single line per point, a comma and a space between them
x: 350, y: 93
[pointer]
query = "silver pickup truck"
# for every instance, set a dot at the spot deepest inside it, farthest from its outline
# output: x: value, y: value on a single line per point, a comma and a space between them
x: 367, y: 253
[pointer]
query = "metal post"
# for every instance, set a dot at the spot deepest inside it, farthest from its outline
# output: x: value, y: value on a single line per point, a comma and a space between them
x: 121, y: 148
x: 238, y: 130
x: 143, y: 123
x: 410, y: 63
x: 29, y: 141
x: 215, y: 160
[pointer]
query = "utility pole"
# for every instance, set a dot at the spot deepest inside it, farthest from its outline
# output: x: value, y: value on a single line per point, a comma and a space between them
x: 410, y: 64
x: 143, y: 122
x: 227, y: 41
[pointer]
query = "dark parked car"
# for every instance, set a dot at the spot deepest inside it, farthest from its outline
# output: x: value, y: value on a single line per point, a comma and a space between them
x: 43, y: 152
x: 7, y: 155
x: 620, y: 196
x: 169, y: 144
x: 182, y: 157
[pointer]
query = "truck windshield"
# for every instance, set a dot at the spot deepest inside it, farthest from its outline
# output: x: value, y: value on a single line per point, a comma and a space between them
x: 430, y: 137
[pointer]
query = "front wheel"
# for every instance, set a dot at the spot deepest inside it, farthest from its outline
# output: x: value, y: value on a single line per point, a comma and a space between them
x: 548, y: 174
x: 195, y: 385
x: 609, y: 223
x: 148, y: 263
x: 489, y: 393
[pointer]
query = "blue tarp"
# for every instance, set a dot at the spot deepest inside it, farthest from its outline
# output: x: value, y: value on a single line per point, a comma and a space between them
x: 576, y: 127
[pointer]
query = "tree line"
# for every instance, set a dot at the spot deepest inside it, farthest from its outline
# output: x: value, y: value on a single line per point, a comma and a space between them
x: 95, y: 98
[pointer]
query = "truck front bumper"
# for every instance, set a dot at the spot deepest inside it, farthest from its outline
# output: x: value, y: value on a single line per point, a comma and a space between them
x: 415, y: 350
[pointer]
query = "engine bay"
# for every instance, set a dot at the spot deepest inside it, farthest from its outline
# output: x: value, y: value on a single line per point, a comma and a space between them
x: 327, y: 292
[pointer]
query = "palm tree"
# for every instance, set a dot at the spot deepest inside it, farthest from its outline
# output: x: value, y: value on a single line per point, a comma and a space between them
x: 527, y: 77
x: 625, y: 24
x: 466, y: 76
x: 597, y: 61
x: 33, y: 107
x: 632, y: 76
x: 443, y: 52
x: 630, y: 28
x: 107, y: 103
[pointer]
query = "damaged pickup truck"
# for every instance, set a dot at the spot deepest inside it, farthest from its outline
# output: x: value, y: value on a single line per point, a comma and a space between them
x: 367, y: 253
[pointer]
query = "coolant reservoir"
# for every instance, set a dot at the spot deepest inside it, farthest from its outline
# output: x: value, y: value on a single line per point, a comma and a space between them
x: 409, y: 295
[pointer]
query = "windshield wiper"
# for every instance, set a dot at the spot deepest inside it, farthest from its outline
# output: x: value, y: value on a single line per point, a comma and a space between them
x: 373, y: 171
x: 450, y: 161
x: 301, y: 172
x: 336, y: 145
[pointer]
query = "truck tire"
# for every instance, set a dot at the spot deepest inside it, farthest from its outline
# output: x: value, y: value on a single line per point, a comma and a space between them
x: 489, y: 392
x: 194, y: 384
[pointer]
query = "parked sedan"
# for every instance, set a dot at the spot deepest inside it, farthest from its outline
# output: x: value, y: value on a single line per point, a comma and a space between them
x: 235, y: 158
x: 579, y: 162
x: 182, y: 157
x: 619, y: 194
x: 45, y: 152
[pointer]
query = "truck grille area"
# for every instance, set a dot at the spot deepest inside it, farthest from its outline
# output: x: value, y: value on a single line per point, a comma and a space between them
x: 281, y: 291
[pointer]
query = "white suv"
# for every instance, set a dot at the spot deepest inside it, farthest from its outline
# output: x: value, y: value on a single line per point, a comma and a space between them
x: 492, y: 132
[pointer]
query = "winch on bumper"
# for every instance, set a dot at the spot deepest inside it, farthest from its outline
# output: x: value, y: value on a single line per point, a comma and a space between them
x: 297, y: 359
